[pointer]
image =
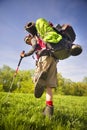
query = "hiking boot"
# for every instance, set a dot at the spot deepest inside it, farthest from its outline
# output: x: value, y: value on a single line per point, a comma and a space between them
x: 76, y: 50
x: 40, y: 85
x: 48, y: 111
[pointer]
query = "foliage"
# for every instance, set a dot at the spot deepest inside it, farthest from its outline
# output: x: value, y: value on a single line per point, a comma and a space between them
x: 67, y: 87
x: 85, y: 80
x: 5, y: 77
x: 24, y: 112
x: 23, y: 83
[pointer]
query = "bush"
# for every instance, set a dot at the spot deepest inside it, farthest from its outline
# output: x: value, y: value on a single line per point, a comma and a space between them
x: 23, y: 83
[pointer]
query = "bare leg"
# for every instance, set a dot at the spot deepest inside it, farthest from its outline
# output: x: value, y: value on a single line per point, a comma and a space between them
x: 49, y: 94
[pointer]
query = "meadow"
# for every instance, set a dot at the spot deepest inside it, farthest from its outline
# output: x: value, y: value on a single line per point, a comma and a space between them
x: 20, y: 111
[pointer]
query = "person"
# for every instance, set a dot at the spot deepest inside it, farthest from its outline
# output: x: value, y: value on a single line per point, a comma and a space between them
x: 45, y: 73
x: 46, y: 68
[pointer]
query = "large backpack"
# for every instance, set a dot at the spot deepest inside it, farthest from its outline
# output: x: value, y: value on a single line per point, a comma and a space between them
x: 55, y: 36
x: 60, y: 37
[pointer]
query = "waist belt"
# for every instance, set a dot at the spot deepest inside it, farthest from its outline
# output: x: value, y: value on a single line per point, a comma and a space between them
x: 45, y: 53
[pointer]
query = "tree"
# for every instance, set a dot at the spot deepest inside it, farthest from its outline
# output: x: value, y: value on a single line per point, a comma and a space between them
x: 85, y: 80
x: 6, y: 77
x: 23, y: 83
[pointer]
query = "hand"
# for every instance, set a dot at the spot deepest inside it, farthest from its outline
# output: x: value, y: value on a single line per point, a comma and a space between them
x: 22, y: 54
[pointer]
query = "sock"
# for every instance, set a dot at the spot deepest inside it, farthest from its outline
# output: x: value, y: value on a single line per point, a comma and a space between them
x: 49, y: 103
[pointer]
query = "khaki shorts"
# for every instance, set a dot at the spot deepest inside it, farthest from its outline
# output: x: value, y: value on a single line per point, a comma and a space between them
x: 49, y: 65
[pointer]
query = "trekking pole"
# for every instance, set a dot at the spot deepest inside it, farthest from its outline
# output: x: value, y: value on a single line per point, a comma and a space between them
x: 16, y: 71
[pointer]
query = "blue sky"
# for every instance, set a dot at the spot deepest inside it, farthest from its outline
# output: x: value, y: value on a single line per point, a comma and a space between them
x: 14, y: 14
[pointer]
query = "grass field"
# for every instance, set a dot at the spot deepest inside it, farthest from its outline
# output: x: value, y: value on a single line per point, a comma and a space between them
x: 24, y: 112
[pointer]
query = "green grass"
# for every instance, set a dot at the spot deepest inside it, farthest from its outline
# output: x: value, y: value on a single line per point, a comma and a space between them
x: 24, y: 112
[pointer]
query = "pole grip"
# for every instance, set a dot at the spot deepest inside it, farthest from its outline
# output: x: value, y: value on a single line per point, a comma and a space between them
x: 21, y: 58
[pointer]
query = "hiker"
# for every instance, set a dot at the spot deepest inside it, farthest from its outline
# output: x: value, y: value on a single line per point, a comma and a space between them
x: 46, y: 67
x: 45, y: 73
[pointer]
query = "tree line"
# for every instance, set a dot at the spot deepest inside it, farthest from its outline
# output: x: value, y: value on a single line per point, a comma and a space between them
x: 23, y: 83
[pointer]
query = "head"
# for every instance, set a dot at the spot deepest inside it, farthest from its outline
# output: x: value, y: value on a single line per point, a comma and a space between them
x: 30, y: 27
x: 27, y: 39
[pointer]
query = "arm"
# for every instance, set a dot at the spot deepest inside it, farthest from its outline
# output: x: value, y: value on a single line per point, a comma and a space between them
x: 34, y: 45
